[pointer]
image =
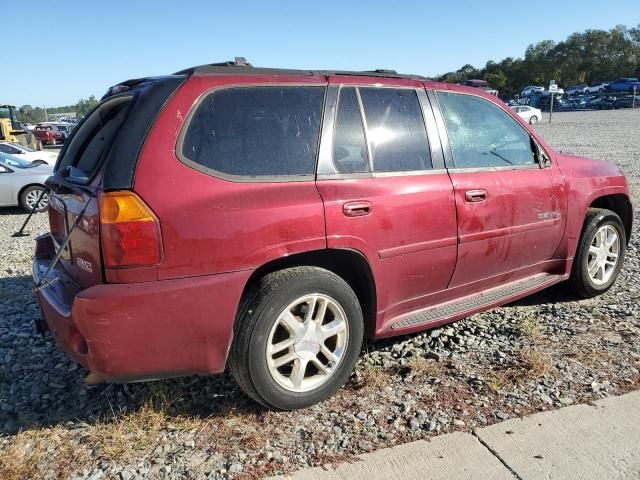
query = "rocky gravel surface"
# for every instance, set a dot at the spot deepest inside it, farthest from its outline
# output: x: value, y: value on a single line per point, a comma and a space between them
x: 540, y: 353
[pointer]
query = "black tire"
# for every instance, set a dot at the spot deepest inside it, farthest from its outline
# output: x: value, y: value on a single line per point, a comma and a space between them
x: 580, y: 279
x: 257, y: 314
x: 33, y: 189
x: 533, y: 119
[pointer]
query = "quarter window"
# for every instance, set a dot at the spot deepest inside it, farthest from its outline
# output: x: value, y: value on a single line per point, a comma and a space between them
x: 481, y: 134
x: 395, y: 130
x: 349, y: 144
x: 256, y: 131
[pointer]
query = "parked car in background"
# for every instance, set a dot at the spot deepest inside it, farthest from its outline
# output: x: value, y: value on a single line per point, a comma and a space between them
x: 625, y: 102
x: 22, y: 182
x: 624, y: 85
x: 577, y: 90
x: 602, y: 102
x: 49, y: 133
x: 26, y: 153
x: 531, y: 89
x: 267, y: 258
x: 530, y: 114
x: 477, y: 83
x: 598, y: 87
x: 490, y: 91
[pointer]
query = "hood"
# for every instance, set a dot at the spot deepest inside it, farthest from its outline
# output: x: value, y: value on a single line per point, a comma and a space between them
x: 587, y: 166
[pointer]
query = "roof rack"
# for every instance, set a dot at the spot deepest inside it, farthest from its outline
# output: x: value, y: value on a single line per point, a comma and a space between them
x: 240, y: 66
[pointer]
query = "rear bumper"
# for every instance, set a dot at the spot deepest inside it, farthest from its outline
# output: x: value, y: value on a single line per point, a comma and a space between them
x: 144, y: 330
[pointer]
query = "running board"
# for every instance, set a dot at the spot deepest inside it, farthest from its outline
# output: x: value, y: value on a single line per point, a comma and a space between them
x: 475, y: 301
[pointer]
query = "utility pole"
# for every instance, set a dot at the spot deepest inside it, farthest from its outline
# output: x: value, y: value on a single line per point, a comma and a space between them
x: 553, y: 88
x: 633, y: 104
x: 46, y: 117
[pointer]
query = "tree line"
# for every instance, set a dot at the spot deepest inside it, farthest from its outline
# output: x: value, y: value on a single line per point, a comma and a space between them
x: 583, y: 58
x: 30, y: 114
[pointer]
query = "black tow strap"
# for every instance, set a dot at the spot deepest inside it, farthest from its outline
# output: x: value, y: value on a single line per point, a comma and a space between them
x: 43, y: 283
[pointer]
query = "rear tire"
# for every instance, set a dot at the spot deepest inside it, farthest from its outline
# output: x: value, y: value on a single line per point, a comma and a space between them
x: 600, y: 253
x: 292, y: 314
x: 29, y: 197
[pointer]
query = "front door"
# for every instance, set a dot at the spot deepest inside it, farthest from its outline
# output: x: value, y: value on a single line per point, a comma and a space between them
x: 385, y: 191
x: 509, y: 211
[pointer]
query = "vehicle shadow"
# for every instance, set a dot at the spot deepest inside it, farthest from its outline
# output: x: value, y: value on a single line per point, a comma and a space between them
x: 11, y: 211
x: 41, y: 386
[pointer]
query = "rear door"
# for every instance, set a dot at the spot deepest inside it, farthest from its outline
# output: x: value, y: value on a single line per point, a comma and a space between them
x: 385, y: 191
x: 508, y: 204
x: 75, y: 192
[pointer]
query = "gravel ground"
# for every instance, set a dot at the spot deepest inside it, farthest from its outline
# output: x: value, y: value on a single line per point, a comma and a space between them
x: 540, y: 353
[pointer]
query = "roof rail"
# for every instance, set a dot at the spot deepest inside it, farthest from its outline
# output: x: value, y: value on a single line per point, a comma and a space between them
x: 240, y: 66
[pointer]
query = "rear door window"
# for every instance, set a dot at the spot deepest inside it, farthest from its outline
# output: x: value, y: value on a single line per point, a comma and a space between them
x: 253, y: 132
x: 395, y: 129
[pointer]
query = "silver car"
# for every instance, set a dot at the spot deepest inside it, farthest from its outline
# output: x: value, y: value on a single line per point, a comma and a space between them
x: 22, y: 182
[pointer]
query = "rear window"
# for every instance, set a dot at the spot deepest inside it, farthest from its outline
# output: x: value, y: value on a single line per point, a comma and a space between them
x: 92, y: 139
x: 255, y: 132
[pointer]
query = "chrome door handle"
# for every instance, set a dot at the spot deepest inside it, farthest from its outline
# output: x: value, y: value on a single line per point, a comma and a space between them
x: 478, y: 195
x: 357, y: 209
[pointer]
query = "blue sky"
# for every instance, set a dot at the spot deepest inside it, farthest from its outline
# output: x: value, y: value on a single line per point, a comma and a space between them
x: 78, y: 48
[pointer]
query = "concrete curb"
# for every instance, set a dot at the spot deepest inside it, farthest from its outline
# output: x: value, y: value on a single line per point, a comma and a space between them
x: 582, y: 441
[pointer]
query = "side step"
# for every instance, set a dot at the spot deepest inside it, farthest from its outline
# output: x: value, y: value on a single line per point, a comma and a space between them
x: 477, y: 300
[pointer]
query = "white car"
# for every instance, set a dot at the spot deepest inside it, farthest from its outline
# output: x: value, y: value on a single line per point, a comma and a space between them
x: 530, y: 114
x: 26, y: 153
x: 531, y: 89
x: 598, y: 87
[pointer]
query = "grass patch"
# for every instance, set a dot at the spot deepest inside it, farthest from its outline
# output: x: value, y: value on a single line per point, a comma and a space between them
x: 372, y: 378
x: 29, y: 455
x: 237, y: 429
x: 528, y: 327
x: 420, y: 367
x: 530, y: 365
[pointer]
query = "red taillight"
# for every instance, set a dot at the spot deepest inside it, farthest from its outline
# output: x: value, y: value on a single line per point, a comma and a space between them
x: 129, y: 230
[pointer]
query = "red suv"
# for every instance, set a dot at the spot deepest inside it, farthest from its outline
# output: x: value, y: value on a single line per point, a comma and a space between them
x: 266, y: 220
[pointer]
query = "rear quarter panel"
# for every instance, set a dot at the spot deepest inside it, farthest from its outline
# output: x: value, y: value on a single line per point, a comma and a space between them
x: 210, y: 225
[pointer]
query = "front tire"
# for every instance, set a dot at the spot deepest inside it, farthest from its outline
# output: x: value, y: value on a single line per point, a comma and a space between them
x: 298, y: 335
x: 533, y: 120
x: 600, y: 253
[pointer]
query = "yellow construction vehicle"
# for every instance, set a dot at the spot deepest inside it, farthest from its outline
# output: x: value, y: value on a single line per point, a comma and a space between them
x: 12, y: 131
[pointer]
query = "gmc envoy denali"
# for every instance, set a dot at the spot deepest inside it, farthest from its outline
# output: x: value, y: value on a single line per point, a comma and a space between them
x: 266, y: 220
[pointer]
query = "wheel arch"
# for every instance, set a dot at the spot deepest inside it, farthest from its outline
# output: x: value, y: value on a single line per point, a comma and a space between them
x: 621, y: 205
x: 351, y: 265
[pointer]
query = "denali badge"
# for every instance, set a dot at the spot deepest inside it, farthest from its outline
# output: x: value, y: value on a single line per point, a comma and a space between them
x: 548, y: 215
x: 84, y: 265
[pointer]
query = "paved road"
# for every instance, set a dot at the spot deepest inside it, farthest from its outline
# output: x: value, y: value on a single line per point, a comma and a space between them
x: 584, y: 441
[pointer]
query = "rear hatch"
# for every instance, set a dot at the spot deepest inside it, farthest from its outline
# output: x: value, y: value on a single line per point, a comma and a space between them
x: 100, y: 155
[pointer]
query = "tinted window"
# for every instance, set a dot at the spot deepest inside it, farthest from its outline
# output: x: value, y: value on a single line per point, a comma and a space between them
x: 8, y: 149
x: 481, y: 134
x: 256, y: 131
x: 349, y: 143
x: 395, y: 129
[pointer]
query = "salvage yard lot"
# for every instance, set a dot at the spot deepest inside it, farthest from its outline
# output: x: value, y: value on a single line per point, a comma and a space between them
x: 539, y: 353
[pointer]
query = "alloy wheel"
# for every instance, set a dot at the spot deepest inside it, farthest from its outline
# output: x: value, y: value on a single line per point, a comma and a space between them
x: 307, y: 343
x: 604, y: 251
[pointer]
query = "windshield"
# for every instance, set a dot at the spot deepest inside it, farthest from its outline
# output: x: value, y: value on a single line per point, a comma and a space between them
x: 14, y: 161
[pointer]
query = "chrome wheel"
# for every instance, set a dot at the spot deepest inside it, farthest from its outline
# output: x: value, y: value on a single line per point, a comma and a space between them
x: 603, y: 255
x: 32, y: 197
x: 307, y: 343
